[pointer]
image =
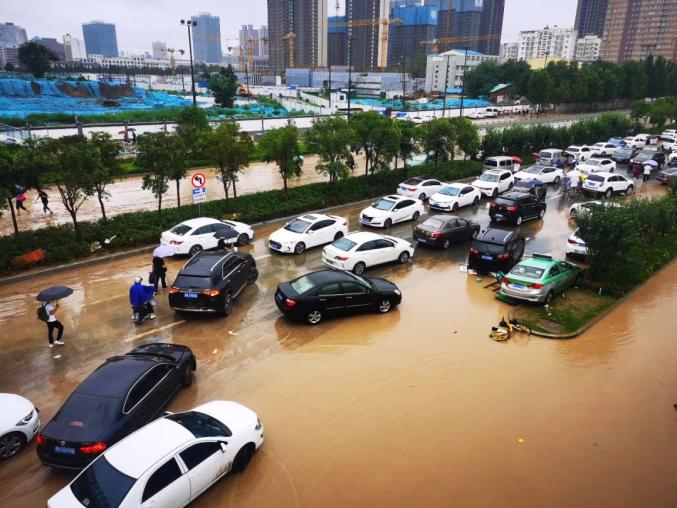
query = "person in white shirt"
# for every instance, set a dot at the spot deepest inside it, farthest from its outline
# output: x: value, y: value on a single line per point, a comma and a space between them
x: 647, y: 174
x: 53, y: 323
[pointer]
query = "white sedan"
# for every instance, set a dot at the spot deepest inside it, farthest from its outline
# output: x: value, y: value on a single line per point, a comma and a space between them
x: 595, y: 165
x: 578, y: 208
x: 19, y: 422
x: 603, y: 149
x: 576, y: 245
x: 169, y: 462
x: 491, y: 183
x: 580, y: 153
x: 307, y: 231
x: 453, y: 196
x: 421, y: 188
x: 358, y: 251
x: 391, y: 209
x: 546, y: 174
x: 203, y: 233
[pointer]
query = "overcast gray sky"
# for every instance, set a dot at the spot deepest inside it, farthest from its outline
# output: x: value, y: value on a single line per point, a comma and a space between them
x: 139, y: 22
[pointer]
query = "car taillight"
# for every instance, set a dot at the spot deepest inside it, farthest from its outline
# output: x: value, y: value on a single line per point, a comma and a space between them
x: 211, y: 292
x: 175, y: 242
x: 473, y: 250
x: 341, y: 258
x: 536, y: 285
x: 289, y: 303
x: 436, y: 234
x: 512, y: 208
x: 173, y: 290
x: 40, y: 440
x: 412, y: 189
x: 503, y: 256
x: 507, y: 280
x: 94, y: 448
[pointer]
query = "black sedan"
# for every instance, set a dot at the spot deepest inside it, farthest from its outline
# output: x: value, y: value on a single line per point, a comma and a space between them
x: 443, y: 230
x: 535, y: 187
x: 326, y: 293
x: 648, y: 154
x: 623, y: 155
x: 119, y: 397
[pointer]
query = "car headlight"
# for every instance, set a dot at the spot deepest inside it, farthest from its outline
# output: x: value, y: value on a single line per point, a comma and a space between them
x: 259, y: 425
x: 397, y: 292
x: 26, y: 419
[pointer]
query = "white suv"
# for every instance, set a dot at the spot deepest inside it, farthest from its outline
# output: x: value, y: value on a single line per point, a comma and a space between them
x: 391, y: 209
x: 306, y: 231
x: 607, y: 184
x: 492, y: 183
x: 580, y: 153
x: 417, y: 187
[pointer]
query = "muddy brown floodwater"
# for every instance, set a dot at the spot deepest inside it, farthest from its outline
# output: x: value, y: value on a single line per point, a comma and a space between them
x: 413, y: 408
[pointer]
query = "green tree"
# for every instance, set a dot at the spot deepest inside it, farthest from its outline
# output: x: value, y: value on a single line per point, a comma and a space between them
x: 439, y: 139
x: 376, y: 136
x: 191, y: 126
x: 330, y: 138
x: 108, y: 168
x: 467, y: 136
x: 8, y: 183
x: 224, y: 87
x: 155, y: 156
x: 229, y: 150
x: 36, y: 58
x: 640, y: 110
x: 281, y: 146
x: 409, y: 137
x: 662, y: 110
x: 72, y: 161
x: 540, y: 87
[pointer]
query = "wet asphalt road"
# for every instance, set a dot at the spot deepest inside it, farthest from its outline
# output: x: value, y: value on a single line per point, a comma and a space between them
x: 413, y: 407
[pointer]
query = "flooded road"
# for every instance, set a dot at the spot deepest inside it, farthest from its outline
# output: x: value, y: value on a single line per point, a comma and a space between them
x: 412, y: 408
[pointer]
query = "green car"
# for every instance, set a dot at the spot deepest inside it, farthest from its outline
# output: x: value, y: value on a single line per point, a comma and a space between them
x: 538, y: 279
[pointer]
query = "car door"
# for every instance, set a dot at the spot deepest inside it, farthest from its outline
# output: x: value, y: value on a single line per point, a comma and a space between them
x: 504, y: 182
x: 451, y: 230
x: 204, y: 236
x: 166, y: 487
x: 462, y: 230
x: 400, y: 210
x: 206, y: 462
x: 357, y: 297
x: 553, y: 278
x: 149, y: 395
x: 568, y: 275
x: 330, y: 299
x: 384, y: 252
x: 431, y: 187
x: 466, y: 196
x: 321, y: 233
x: 366, y: 253
x: 234, y: 275
x: 547, y: 175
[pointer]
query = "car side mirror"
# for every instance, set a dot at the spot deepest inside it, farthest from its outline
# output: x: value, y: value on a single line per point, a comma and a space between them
x: 310, y: 231
x: 167, y: 413
x: 223, y: 445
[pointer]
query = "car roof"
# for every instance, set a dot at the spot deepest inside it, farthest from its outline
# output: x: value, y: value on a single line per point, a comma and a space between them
x: 499, y: 158
x: 444, y: 217
x: 200, y: 221
x: 537, y: 262
x: 514, y: 195
x: 323, y: 276
x: 362, y: 236
x: 604, y: 174
x: 201, y: 263
x: 395, y: 197
x: 496, y: 171
x: 141, y: 450
x: 458, y: 185
x: 117, y: 375
x: 497, y: 236
x: 528, y: 183
x: 552, y: 150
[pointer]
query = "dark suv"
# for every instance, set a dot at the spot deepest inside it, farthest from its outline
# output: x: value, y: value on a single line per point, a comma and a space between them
x: 516, y: 206
x: 496, y: 250
x: 209, y: 281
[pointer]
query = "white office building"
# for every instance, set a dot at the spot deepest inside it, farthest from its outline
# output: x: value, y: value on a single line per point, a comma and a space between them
x: 508, y: 51
x: 74, y: 48
x: 588, y: 48
x: 555, y: 42
x: 448, y: 68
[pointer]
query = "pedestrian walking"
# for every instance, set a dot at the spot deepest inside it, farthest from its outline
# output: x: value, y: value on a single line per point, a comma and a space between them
x: 53, y: 324
x: 42, y: 196
x: 20, y: 203
x: 566, y: 186
x: 159, y: 272
x: 581, y: 179
x: 647, y: 174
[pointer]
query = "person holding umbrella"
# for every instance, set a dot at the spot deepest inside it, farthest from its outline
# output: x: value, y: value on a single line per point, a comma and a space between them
x: 47, y: 312
x: 159, y: 271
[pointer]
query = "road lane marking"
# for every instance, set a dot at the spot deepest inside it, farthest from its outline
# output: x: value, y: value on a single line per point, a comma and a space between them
x: 261, y: 257
x: 155, y: 330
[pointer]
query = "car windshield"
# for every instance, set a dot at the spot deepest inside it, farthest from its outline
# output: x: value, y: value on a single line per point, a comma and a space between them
x: 593, y: 162
x: 573, y: 149
x: 413, y: 181
x: 505, y: 202
x: 88, y: 411
x: 192, y: 282
x: 545, y: 155
x: 434, y: 223
x: 200, y: 424
x: 596, y: 178
x: 490, y: 162
x: 384, y: 204
x: 343, y: 244
x: 527, y: 271
x: 489, y: 177
x: 450, y: 191
x: 303, y: 284
x: 180, y: 230
x: 489, y: 248
x: 297, y: 226
x: 101, y: 485
x: 534, y: 170
x: 361, y: 280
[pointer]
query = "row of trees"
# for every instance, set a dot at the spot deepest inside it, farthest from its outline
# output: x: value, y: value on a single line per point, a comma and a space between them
x: 568, y: 82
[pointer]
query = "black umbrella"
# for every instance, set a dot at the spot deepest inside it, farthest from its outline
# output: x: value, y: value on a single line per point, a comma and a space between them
x: 55, y: 293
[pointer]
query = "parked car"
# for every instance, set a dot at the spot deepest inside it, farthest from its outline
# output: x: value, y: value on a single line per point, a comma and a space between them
x: 603, y: 149
x: 499, y: 162
x: 638, y: 141
x: 453, y: 196
x: 496, y: 250
x: 669, y: 132
x: 550, y: 157
x: 647, y: 154
x: 576, y: 246
x: 203, y: 233
x: 119, y: 397
x: 306, y: 231
x: 391, y: 209
x: 617, y: 142
x: 607, y: 184
x: 210, y: 281
x: 492, y: 183
x: 169, y: 462
x: 329, y: 293
x: 546, y: 174
x: 579, y: 208
x: 420, y: 188
x: 361, y: 250
x: 443, y: 230
x: 19, y: 423
x: 580, y: 153
x: 668, y: 143
x: 534, y: 187
x: 539, y: 278
x: 516, y: 207
x: 623, y: 155
x: 666, y: 174
x: 595, y: 164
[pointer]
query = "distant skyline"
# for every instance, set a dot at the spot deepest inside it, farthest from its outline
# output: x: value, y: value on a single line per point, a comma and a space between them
x: 139, y: 23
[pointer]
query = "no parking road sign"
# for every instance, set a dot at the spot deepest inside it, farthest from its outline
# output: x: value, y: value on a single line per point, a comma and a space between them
x: 198, y: 180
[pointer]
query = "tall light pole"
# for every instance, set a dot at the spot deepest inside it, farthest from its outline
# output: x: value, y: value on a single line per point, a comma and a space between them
x: 465, y: 69
x: 189, y: 23
x: 350, y: 70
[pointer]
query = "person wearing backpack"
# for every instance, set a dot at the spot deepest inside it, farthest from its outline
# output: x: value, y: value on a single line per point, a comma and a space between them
x: 47, y: 313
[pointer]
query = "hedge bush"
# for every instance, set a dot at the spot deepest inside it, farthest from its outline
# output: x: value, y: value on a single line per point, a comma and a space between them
x: 142, y: 228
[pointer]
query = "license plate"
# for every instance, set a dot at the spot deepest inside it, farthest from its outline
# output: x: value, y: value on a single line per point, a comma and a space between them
x: 487, y: 258
x: 279, y: 296
x: 330, y: 261
x: 421, y: 240
x: 518, y: 286
x: 190, y: 295
x: 64, y: 450
x: 498, y: 216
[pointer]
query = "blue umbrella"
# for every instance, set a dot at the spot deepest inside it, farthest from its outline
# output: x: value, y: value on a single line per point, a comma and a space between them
x: 54, y: 293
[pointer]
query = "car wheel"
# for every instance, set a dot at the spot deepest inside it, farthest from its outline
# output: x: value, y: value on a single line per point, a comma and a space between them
x: 421, y: 196
x: 227, y: 305
x: 609, y: 192
x: 557, y: 180
x: 454, y: 207
x: 338, y: 235
x: 416, y: 215
x: 518, y: 221
x: 403, y: 258
x: 629, y: 190
x: 494, y: 194
x: 385, y: 306
x: 446, y: 244
x: 253, y: 275
x: 549, y: 297
x: 242, y: 458
x: 314, y: 317
x: 541, y: 214
x: 243, y: 239
x: 511, y: 185
x: 299, y: 248
x: 11, y: 444
x: 476, y: 201
x: 195, y: 249
x: 359, y: 268
x: 187, y: 377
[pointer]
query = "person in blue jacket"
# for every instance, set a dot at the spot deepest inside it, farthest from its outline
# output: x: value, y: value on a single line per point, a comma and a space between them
x: 140, y: 296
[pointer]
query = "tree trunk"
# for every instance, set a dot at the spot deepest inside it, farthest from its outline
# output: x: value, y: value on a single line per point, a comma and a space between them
x: 159, y: 205
x: 225, y: 183
x: 234, y: 188
x: 74, y: 218
x: 404, y: 165
x: 366, y: 162
x: 11, y: 208
x: 284, y: 180
x: 396, y: 157
x: 103, y: 209
x: 178, y: 193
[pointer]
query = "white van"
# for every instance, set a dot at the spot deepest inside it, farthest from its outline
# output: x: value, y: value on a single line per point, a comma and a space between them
x: 491, y: 112
x: 500, y: 162
x: 550, y: 156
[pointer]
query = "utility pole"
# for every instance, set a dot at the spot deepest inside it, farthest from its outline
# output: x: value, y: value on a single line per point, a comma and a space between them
x: 350, y: 74
x: 404, y: 84
x: 465, y: 66
x: 446, y: 83
x: 329, y: 87
x: 188, y: 24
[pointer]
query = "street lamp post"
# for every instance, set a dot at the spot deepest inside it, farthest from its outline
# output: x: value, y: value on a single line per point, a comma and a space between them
x: 188, y: 24
x: 465, y: 69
